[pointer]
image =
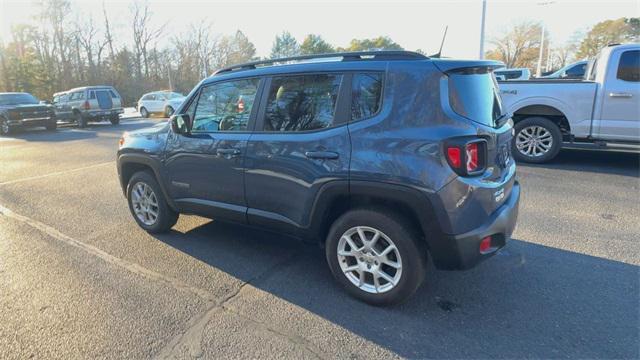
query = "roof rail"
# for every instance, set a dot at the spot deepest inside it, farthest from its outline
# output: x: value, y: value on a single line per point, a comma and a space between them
x: 346, y: 56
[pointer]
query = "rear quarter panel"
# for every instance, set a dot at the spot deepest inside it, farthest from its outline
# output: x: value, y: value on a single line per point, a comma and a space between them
x: 574, y: 99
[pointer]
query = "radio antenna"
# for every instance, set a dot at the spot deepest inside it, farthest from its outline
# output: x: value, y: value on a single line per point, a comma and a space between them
x: 444, y: 36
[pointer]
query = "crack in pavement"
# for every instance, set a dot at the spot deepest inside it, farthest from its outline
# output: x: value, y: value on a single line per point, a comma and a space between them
x: 191, y: 338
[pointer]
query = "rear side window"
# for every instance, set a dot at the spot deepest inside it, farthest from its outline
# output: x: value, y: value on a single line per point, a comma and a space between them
x: 366, y: 95
x: 629, y: 66
x: 473, y: 94
x: 302, y: 103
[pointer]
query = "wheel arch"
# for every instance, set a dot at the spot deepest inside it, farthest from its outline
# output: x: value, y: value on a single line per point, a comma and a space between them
x: 129, y: 164
x: 551, y: 112
x: 402, y: 200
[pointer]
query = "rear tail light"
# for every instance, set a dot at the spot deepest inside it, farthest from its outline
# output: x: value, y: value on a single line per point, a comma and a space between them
x: 86, y: 105
x: 466, y: 157
x: 485, y: 245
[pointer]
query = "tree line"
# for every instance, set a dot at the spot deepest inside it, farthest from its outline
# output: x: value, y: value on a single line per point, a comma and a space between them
x: 63, y: 49
x: 519, y: 47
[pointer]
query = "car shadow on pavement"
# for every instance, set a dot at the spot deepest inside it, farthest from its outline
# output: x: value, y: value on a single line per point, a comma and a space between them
x: 605, y: 162
x: 527, y: 301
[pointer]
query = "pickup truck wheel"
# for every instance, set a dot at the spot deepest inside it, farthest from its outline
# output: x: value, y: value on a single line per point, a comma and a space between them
x: 81, y: 121
x: 5, y: 129
x: 148, y: 205
x: 144, y: 113
x: 375, y: 256
x: 115, y: 119
x: 51, y: 125
x: 536, y: 140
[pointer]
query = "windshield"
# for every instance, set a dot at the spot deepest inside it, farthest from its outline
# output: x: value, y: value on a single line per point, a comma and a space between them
x: 473, y: 93
x: 17, y: 99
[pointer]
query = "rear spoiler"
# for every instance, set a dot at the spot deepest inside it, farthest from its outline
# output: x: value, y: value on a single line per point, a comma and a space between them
x: 447, y: 66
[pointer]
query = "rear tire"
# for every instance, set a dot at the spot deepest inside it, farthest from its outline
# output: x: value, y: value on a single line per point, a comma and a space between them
x: 395, y: 237
x: 115, y: 119
x: 81, y: 121
x: 537, y: 140
x: 143, y: 112
x: 148, y: 205
x: 51, y: 125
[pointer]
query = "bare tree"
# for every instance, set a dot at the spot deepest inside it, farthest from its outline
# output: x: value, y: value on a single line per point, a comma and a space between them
x: 519, y: 47
x: 143, y: 35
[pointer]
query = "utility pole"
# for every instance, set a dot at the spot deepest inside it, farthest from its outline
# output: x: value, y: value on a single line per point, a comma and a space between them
x: 539, y: 68
x: 482, y: 25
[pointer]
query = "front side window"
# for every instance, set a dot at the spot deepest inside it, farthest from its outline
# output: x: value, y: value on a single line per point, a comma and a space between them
x: 629, y: 66
x: 302, y: 103
x: 366, y: 94
x: 225, y: 106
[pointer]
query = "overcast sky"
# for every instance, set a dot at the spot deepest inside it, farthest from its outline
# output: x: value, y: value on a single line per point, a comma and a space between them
x: 413, y: 24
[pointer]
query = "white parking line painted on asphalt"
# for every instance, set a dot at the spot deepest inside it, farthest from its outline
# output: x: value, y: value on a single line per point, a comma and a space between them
x: 55, y: 173
x: 92, y: 250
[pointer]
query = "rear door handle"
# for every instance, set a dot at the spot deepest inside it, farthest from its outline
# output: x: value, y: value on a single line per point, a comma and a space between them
x: 620, y: 95
x: 321, y: 155
x: 228, y: 151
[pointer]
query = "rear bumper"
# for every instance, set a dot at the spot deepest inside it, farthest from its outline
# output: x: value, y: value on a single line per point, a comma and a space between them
x: 462, y: 251
x: 101, y: 114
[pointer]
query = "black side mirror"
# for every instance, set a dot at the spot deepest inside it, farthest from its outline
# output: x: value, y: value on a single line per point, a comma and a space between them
x: 180, y: 124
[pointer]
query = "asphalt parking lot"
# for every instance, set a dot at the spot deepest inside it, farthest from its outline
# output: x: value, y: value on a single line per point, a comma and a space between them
x: 79, y: 279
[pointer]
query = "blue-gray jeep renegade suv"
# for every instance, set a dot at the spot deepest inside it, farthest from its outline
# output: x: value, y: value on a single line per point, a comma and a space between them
x: 382, y: 157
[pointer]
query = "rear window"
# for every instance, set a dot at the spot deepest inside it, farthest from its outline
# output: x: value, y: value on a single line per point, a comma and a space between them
x: 473, y: 94
x: 366, y: 94
x: 629, y: 66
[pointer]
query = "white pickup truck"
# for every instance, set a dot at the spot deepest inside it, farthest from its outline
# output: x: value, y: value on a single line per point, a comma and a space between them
x: 600, y: 112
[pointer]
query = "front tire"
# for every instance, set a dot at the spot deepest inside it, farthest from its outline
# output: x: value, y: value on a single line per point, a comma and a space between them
x: 5, y: 129
x: 376, y: 256
x: 143, y: 112
x: 148, y: 204
x: 536, y: 140
x: 168, y: 111
x: 115, y: 119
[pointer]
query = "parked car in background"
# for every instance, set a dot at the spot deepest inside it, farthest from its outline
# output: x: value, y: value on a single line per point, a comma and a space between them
x: 383, y: 158
x: 513, y: 74
x: 24, y: 110
x: 571, y: 71
x: 89, y: 103
x: 159, y: 102
x: 601, y: 112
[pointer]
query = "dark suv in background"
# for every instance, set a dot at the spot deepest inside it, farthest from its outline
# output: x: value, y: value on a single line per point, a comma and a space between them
x: 381, y: 157
x: 22, y: 110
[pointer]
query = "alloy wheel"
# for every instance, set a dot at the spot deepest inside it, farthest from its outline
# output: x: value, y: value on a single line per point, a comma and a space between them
x: 534, y: 141
x: 145, y: 203
x: 369, y: 259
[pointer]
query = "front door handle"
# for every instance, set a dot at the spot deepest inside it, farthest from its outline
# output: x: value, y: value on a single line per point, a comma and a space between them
x: 620, y: 95
x: 321, y: 155
x: 228, y: 151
